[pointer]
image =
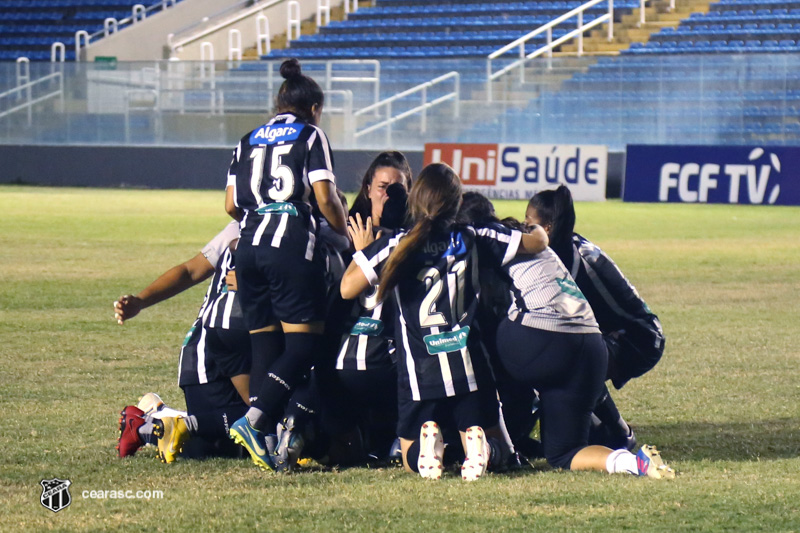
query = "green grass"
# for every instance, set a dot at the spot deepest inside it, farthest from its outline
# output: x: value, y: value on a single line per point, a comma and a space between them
x: 723, y: 405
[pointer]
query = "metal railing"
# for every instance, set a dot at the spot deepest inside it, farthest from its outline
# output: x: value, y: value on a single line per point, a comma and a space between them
x: 422, y: 108
x: 111, y: 25
x: 551, y: 44
x: 24, y: 91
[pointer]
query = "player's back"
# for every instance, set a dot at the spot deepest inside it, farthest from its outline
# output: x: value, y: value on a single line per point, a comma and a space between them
x: 273, y: 170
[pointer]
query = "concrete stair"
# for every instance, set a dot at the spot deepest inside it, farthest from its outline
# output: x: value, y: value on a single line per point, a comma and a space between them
x: 307, y: 27
x: 630, y: 29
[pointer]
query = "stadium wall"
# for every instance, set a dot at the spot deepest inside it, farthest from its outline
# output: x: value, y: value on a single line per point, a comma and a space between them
x: 177, y: 167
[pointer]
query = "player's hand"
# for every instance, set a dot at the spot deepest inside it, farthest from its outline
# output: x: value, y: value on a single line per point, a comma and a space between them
x: 361, y: 233
x: 230, y: 281
x: 126, y: 307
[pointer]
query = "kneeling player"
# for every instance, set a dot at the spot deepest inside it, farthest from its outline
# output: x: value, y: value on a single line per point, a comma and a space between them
x: 214, y: 363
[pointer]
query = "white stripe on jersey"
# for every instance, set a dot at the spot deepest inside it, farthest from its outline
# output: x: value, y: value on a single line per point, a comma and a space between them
x: 202, y: 377
x: 361, y: 352
x: 312, y: 241
x: 444, y: 366
x: 342, y: 353
x: 261, y: 229
x: 276, y: 238
x: 325, y: 147
x: 226, y: 316
x: 466, y: 357
x: 411, y: 368
x: 320, y: 175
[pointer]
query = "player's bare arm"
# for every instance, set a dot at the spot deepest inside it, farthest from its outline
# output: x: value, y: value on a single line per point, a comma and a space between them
x: 230, y: 205
x: 174, y: 281
x: 330, y: 205
x: 535, y: 241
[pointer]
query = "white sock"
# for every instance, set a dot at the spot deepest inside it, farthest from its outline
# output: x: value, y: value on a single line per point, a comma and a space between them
x: 254, y: 415
x: 621, y: 462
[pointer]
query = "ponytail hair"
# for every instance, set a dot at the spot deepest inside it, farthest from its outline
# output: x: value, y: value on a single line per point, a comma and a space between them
x: 298, y: 93
x: 434, y: 202
x: 555, y: 209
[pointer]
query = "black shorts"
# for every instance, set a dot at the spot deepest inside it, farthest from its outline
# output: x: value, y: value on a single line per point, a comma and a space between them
x: 479, y: 408
x: 568, y: 370
x: 211, y: 396
x: 229, y: 351
x: 276, y: 284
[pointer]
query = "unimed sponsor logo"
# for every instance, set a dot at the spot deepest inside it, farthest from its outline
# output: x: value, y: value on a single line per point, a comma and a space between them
x: 517, y: 171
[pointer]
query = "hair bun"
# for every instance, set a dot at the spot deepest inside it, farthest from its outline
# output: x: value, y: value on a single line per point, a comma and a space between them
x: 291, y: 69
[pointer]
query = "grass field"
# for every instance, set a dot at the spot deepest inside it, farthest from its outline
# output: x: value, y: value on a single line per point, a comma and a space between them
x: 723, y: 405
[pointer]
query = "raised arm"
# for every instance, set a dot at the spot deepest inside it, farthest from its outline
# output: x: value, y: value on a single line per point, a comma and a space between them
x: 174, y: 281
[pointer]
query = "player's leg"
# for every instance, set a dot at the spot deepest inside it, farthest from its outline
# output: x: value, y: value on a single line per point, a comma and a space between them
x: 477, y: 417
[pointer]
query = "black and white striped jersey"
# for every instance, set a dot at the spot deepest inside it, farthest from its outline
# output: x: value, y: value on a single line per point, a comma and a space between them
x: 544, y: 295
x: 436, y: 336
x: 367, y: 339
x: 220, y: 308
x: 615, y: 301
x: 272, y: 172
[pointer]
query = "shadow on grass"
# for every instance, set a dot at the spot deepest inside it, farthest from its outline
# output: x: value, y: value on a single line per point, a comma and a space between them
x: 732, y: 441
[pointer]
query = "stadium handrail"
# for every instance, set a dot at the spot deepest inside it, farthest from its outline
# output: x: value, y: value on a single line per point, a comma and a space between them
x: 551, y: 44
x: 218, y: 21
x: 111, y: 25
x: 26, y: 89
x: 455, y: 95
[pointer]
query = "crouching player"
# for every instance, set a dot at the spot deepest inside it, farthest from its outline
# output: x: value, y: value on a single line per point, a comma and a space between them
x: 214, y: 362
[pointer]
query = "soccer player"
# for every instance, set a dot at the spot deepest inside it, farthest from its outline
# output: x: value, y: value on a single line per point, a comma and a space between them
x: 550, y: 341
x: 385, y: 170
x: 281, y: 274
x: 431, y: 272
x: 632, y: 333
x: 214, y: 363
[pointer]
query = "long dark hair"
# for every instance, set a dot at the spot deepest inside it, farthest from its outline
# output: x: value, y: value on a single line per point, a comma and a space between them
x: 434, y: 202
x: 555, y: 209
x: 391, y: 159
x: 476, y: 209
x: 298, y: 93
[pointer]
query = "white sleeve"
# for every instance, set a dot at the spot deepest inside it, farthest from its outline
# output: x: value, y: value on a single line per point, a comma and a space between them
x: 216, y: 247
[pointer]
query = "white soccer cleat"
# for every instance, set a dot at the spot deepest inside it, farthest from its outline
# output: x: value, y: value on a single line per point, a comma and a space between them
x: 150, y: 403
x: 431, y: 451
x: 650, y: 464
x: 477, y: 460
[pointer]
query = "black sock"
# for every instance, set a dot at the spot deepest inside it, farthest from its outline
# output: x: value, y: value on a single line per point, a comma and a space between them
x: 212, y: 425
x: 284, y: 374
x: 412, y: 456
x: 267, y: 347
x: 606, y: 410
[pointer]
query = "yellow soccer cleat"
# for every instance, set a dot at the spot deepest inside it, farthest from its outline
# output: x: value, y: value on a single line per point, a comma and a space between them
x: 172, y: 434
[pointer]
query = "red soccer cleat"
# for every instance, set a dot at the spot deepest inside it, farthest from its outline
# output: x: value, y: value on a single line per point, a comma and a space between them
x: 130, y: 420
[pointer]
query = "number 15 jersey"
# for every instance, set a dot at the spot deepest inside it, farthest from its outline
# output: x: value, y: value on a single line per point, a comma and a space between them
x: 272, y: 172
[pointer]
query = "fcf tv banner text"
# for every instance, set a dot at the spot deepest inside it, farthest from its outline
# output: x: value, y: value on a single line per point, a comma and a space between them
x: 518, y: 171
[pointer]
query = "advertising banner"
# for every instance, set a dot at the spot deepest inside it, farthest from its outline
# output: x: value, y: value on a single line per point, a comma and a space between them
x: 712, y: 174
x: 518, y: 171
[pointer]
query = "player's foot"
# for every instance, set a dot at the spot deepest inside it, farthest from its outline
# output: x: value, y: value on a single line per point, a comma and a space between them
x: 172, y: 434
x: 150, y: 403
x: 396, y: 453
x: 290, y: 444
x: 254, y: 441
x: 650, y: 463
x: 130, y: 420
x: 431, y: 451
x: 477, y: 459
